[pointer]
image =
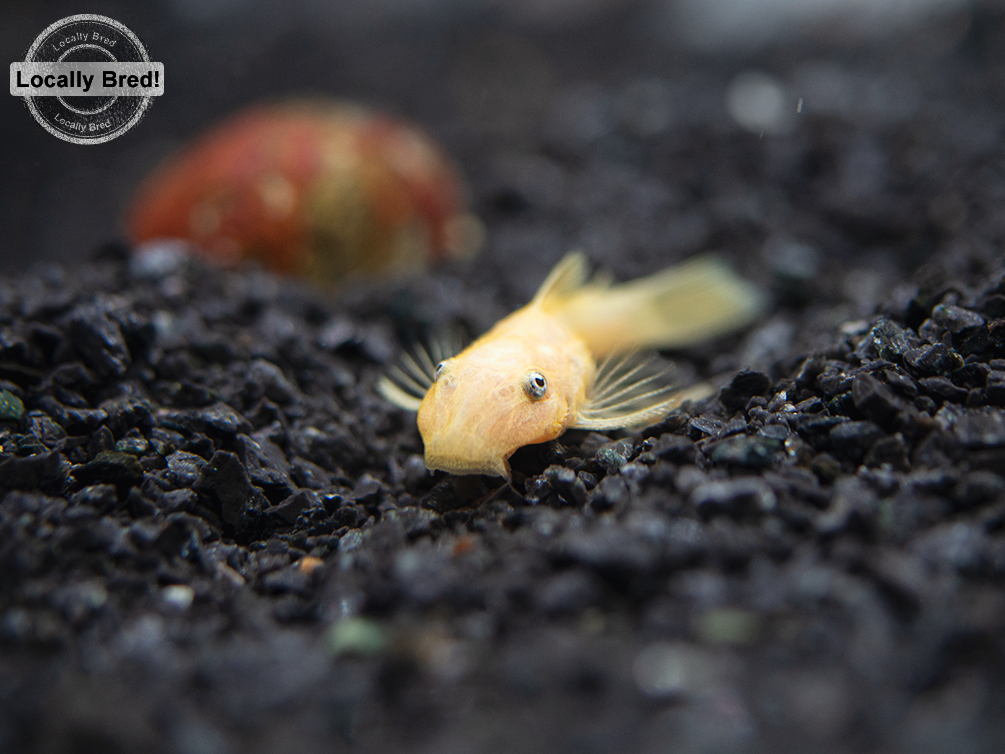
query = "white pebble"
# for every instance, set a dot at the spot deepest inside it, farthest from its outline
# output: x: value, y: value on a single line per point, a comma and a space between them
x: 760, y: 103
x: 179, y: 596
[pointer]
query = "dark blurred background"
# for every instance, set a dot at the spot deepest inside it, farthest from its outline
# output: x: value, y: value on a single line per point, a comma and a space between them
x: 512, y: 88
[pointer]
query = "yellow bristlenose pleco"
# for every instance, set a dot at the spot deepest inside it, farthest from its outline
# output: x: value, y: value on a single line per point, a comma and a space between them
x: 571, y: 358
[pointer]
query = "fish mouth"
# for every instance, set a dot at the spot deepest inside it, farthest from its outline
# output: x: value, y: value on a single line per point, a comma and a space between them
x: 454, y: 465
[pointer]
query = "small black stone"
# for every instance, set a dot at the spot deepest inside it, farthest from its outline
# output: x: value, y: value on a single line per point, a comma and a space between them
x: 223, y: 418
x: 177, y: 500
x: 19, y: 373
x: 933, y: 359
x: 742, y: 388
x: 184, y: 469
x: 810, y: 406
x: 974, y: 427
x: 539, y: 492
x: 126, y: 413
x: 887, y: 340
x: 135, y: 445
x: 841, y: 405
x: 748, y: 451
x: 111, y: 467
x: 874, y: 399
x: 852, y: 440
x: 225, y: 479
x: 291, y: 508
x: 165, y: 441
x: 833, y: 381
x: 172, y: 537
x: 853, y: 506
x: 971, y: 375
x: 419, y: 521
x: 675, y: 448
x: 101, y: 497
x: 943, y: 388
x: 889, y: 451
x: 567, y: 484
x: 99, y: 341
x: 994, y: 390
x: 15, y: 349
x: 826, y: 467
x: 994, y: 306
x: 214, y: 349
x: 309, y: 474
x: 150, y: 462
x: 816, y: 427
x: 456, y: 492
x: 734, y: 497
x: 956, y: 318
x: 901, y: 382
x: 989, y: 339
x: 609, y: 493
x: 810, y: 370
x: 734, y: 426
x: 608, y: 549
x: 703, y: 426
x: 290, y: 579
x: 775, y: 432
x: 367, y: 490
x: 271, y: 381
x: 266, y: 464
x: 74, y: 376
x: 74, y: 420
x: 41, y: 471
x: 977, y: 488
x: 100, y: 440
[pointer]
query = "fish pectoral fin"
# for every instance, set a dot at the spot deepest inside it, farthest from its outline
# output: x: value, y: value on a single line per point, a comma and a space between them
x: 445, y: 344
x: 407, y: 382
x: 633, y: 390
x: 397, y: 395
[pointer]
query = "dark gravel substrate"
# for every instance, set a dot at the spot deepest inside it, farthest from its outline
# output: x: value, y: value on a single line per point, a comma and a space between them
x: 813, y: 560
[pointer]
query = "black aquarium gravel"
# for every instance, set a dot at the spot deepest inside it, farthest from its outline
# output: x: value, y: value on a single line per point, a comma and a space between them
x: 215, y: 537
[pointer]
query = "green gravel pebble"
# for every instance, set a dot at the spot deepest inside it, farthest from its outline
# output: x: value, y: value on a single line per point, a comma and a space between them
x: 11, y: 407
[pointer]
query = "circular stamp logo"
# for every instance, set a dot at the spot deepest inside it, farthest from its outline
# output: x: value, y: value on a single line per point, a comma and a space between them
x: 87, y: 79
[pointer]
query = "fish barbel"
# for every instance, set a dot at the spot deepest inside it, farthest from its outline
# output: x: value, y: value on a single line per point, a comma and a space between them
x: 570, y: 359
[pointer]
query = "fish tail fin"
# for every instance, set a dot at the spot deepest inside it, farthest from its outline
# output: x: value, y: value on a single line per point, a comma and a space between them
x: 682, y: 305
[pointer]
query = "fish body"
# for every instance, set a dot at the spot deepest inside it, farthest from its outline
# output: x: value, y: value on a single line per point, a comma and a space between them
x: 571, y: 358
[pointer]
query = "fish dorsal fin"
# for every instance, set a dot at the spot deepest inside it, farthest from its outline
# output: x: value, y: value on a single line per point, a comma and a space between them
x: 568, y: 276
x: 632, y: 390
x: 407, y: 382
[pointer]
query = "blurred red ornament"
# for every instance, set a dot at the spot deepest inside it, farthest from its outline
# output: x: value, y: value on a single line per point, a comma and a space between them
x: 311, y: 188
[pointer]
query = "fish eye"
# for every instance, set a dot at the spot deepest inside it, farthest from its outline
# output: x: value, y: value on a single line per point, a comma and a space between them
x: 535, y: 385
x: 439, y: 370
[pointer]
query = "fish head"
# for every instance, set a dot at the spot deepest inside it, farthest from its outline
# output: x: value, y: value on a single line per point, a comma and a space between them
x: 485, y: 405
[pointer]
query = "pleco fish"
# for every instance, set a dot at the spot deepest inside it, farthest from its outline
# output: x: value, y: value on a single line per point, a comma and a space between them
x: 571, y: 358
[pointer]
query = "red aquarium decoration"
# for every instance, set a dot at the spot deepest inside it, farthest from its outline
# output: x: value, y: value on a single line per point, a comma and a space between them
x: 316, y: 189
